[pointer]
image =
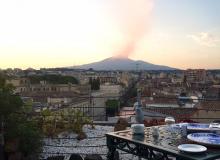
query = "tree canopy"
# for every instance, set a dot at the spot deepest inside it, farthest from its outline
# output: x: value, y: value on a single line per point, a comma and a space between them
x: 19, y: 129
x: 9, y: 102
x: 53, y: 79
x: 112, y: 107
x: 95, y: 83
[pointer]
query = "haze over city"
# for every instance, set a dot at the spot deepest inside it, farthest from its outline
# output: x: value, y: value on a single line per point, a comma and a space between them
x: 180, y: 34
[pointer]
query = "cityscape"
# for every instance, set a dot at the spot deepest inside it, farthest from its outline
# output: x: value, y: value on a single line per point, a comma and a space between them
x: 109, y: 80
x: 103, y: 97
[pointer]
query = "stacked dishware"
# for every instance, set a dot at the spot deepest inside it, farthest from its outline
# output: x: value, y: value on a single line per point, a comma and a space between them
x: 204, y: 134
x: 137, y: 128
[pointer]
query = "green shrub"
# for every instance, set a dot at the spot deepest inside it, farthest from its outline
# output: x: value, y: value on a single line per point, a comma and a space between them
x: 112, y: 107
x: 57, y: 122
x: 19, y: 130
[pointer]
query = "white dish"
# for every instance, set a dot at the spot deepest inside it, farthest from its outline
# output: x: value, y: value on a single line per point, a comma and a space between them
x: 214, y: 125
x: 192, y: 148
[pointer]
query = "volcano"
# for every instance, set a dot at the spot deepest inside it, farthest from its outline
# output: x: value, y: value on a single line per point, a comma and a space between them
x: 117, y: 63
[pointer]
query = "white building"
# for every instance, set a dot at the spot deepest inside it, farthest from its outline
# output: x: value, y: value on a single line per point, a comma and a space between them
x: 112, y: 91
x: 98, y: 100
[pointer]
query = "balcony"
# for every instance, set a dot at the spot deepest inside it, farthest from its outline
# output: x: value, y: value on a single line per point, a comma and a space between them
x: 65, y: 144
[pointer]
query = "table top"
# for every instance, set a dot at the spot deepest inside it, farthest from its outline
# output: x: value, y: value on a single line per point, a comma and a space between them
x: 167, y: 142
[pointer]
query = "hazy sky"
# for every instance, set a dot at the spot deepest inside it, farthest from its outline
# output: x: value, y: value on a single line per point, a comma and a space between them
x: 56, y: 33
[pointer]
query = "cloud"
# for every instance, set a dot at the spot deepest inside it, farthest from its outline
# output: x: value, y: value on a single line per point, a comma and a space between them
x: 205, y: 39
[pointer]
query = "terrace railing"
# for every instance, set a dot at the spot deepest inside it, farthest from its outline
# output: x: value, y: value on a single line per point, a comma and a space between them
x: 205, y: 110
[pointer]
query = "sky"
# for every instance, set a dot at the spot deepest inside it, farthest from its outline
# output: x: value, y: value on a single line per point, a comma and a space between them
x: 59, y: 33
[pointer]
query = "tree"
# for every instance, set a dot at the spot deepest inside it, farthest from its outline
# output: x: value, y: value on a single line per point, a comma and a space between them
x: 8, y: 101
x: 95, y: 83
x: 25, y: 133
x: 16, y: 128
x: 112, y: 107
x: 53, y: 79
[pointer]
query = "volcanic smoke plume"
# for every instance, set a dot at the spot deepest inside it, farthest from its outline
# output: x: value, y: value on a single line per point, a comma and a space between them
x: 133, y: 19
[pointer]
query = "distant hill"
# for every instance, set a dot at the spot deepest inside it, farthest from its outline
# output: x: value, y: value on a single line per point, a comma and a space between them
x: 114, y: 63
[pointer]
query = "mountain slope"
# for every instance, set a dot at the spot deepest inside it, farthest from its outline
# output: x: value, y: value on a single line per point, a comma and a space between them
x: 113, y: 63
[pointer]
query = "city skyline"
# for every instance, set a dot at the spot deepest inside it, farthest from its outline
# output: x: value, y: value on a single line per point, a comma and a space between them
x: 39, y: 34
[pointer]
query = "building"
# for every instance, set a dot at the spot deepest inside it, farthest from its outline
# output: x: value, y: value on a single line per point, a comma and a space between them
x: 59, y: 101
x: 213, y: 92
x: 17, y: 82
x: 195, y: 75
x: 23, y: 85
x: 112, y: 91
x: 126, y: 79
x: 98, y: 100
x: 82, y: 104
x: 177, y: 80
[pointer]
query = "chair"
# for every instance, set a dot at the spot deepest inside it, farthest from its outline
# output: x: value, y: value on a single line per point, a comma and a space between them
x: 1, y: 152
x: 56, y: 158
x: 93, y: 157
x: 75, y: 157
